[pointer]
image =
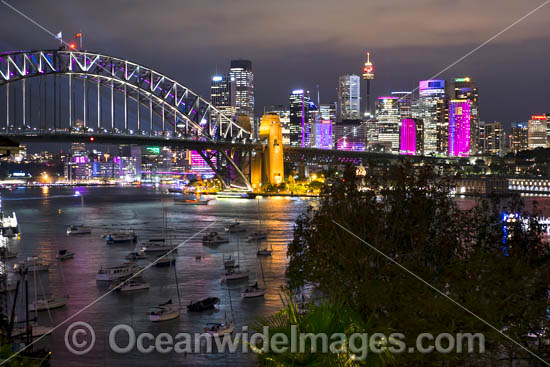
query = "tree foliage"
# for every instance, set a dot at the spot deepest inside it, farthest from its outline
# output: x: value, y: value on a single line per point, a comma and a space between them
x: 408, y: 215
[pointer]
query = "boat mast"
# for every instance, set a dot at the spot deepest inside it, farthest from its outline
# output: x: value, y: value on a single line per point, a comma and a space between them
x: 177, y: 284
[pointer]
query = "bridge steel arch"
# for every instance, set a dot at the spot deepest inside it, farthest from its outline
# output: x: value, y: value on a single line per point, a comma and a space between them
x: 194, y: 118
x: 166, y: 94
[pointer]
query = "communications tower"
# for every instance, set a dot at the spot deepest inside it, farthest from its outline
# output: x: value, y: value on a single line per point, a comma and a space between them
x: 368, y: 75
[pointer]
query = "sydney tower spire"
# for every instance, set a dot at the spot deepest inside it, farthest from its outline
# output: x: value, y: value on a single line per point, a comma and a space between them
x: 368, y: 75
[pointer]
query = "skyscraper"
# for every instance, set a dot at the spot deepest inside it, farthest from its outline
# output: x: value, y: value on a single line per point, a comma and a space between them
x: 431, y: 107
x: 411, y: 137
x: 518, y: 138
x: 299, y: 118
x: 536, y: 134
x: 466, y: 89
x: 459, y: 128
x: 404, y: 103
x: 389, y: 121
x: 241, y: 72
x: 328, y: 111
x: 223, y: 94
x: 349, y: 91
x: 494, y: 138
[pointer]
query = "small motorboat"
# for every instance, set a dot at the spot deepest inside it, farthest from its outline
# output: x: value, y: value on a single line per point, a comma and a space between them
x: 253, y: 291
x: 121, y: 236
x: 235, y: 274
x: 203, y: 305
x: 117, y: 272
x: 165, y: 260
x: 130, y: 286
x: 191, y: 202
x: 46, y: 304
x: 77, y: 229
x: 32, y: 263
x: 235, y: 227
x: 64, y: 255
x: 136, y: 255
x: 213, y: 239
x: 220, y: 329
x: 259, y: 235
x: 164, y: 312
x: 265, y: 252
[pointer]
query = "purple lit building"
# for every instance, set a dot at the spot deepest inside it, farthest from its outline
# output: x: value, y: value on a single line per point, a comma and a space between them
x: 459, y: 128
x: 411, y: 137
x: 322, y: 134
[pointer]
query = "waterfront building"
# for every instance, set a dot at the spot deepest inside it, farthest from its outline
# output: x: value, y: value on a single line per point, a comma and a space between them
x: 321, y: 134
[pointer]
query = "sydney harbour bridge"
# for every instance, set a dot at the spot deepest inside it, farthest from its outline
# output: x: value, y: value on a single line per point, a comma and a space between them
x: 73, y: 96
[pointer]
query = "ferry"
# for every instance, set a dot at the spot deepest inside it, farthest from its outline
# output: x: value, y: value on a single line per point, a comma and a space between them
x: 236, y: 194
x: 9, y: 227
x: 117, y: 272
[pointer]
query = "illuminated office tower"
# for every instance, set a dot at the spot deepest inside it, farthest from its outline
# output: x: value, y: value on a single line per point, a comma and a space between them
x: 300, y: 104
x: 466, y: 89
x: 284, y: 116
x: 404, y: 103
x: 223, y: 94
x: 518, y: 137
x: 241, y: 72
x: 536, y: 133
x: 431, y: 107
x: 459, y: 128
x: 328, y: 111
x: 389, y: 121
x: 411, y: 137
x: 349, y: 94
x: 494, y: 138
x: 321, y: 134
x: 368, y: 75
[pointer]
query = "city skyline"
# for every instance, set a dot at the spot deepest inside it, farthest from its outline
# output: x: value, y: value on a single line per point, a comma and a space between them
x: 281, y: 66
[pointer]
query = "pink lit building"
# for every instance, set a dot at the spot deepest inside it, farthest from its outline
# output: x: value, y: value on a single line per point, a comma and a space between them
x: 411, y: 137
x: 459, y: 128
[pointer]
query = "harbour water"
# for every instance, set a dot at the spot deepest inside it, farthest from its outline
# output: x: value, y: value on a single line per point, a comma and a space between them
x: 44, y: 215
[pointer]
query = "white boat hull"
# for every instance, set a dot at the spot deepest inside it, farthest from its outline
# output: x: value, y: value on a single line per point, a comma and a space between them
x: 169, y: 315
x: 253, y: 294
x: 44, y: 306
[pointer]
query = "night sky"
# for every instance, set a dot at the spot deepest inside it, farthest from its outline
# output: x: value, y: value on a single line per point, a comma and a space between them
x: 301, y: 43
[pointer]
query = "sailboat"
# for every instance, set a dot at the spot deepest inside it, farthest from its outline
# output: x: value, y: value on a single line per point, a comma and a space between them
x: 46, y: 304
x: 166, y: 311
x: 254, y: 290
x: 219, y: 329
x: 235, y: 272
x: 235, y: 227
x: 259, y: 234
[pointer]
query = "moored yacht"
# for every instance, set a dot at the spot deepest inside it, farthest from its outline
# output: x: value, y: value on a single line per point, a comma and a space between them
x: 117, y: 272
x: 253, y: 291
x: 164, y: 312
x: 131, y: 285
x: 45, y: 304
x: 77, y: 229
x: 156, y: 245
x: 258, y: 235
x: 235, y: 274
x: 213, y: 239
x: 121, y: 236
x: 220, y: 329
x: 235, y: 227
